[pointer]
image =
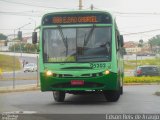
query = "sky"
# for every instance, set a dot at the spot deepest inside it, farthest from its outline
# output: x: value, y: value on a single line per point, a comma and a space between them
x: 136, y: 19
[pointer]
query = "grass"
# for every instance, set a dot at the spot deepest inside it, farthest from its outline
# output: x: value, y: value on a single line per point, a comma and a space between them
x: 7, y: 63
x: 131, y: 64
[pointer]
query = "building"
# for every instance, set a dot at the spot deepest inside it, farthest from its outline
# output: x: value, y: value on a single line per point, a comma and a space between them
x: 3, y: 45
x: 2, y: 42
x: 132, y: 47
x: 27, y: 39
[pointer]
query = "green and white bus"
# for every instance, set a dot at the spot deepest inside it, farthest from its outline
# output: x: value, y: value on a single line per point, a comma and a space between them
x: 80, y: 52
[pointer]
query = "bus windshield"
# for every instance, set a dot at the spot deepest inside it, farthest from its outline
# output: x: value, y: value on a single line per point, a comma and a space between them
x: 85, y: 44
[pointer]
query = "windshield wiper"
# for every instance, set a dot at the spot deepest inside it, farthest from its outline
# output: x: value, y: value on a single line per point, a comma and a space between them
x: 63, y: 38
x: 89, y: 35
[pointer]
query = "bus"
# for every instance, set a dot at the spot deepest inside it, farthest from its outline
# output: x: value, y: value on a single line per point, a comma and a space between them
x: 80, y: 52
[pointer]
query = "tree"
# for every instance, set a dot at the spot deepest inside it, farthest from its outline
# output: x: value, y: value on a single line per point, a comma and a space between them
x: 140, y: 43
x: 28, y: 48
x: 3, y: 37
x: 154, y: 42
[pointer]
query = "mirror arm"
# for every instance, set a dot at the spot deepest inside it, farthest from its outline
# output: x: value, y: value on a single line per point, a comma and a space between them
x: 39, y: 27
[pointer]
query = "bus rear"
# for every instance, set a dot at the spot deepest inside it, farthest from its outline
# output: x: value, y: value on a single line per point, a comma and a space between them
x: 78, y: 54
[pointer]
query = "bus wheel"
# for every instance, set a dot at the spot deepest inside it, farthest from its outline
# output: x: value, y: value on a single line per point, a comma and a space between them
x: 59, y: 96
x: 112, y: 96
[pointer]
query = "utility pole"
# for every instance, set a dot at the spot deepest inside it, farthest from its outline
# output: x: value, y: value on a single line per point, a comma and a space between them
x: 92, y: 7
x: 14, y: 61
x: 141, y: 46
x: 21, y: 35
x: 80, y: 5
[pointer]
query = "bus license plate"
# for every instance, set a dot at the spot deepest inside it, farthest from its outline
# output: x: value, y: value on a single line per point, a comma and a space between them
x: 77, y: 82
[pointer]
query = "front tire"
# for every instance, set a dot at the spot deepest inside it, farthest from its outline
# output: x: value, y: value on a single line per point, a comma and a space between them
x: 112, y: 96
x: 59, y: 96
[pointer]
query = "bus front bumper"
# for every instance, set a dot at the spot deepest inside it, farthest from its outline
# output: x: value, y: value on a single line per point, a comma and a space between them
x: 105, y: 82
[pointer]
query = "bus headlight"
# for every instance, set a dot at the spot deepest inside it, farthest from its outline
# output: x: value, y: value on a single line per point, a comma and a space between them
x: 49, y: 73
x: 106, y: 72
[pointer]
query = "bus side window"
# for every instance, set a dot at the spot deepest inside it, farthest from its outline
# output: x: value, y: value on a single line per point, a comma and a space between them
x: 117, y: 40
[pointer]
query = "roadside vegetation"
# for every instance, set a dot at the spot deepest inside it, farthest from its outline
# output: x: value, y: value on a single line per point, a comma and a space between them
x: 7, y: 63
x: 25, y: 48
x: 131, y: 79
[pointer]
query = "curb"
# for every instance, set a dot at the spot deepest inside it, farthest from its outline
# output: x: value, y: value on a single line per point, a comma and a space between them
x: 127, y: 84
x: 19, y: 78
x: 19, y: 88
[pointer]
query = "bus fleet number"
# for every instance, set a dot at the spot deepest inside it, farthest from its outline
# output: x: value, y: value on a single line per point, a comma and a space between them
x: 97, y: 65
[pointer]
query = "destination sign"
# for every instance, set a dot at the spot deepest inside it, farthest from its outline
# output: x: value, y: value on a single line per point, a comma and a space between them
x: 77, y: 18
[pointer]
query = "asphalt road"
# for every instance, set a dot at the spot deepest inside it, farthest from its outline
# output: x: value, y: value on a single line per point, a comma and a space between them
x: 17, y: 82
x: 136, y: 99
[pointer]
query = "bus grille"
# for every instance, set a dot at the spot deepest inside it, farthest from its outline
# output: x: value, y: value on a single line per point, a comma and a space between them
x: 83, y: 75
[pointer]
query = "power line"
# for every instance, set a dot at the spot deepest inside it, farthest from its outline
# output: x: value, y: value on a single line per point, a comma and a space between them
x: 131, y: 13
x: 13, y: 29
x: 136, y: 13
x: 139, y: 26
x: 18, y: 14
x: 25, y: 13
x: 141, y: 32
x: 32, y: 5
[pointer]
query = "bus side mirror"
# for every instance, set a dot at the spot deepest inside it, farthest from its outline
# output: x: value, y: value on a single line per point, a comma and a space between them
x: 121, y: 40
x: 34, y: 37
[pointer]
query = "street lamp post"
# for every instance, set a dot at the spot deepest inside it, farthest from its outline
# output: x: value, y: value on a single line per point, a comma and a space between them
x: 37, y: 56
x: 21, y: 38
x: 14, y: 52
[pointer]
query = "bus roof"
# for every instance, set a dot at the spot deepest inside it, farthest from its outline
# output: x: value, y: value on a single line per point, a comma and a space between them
x: 78, y: 11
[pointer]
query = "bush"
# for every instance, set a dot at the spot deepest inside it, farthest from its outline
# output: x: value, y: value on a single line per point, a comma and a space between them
x: 155, y: 79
